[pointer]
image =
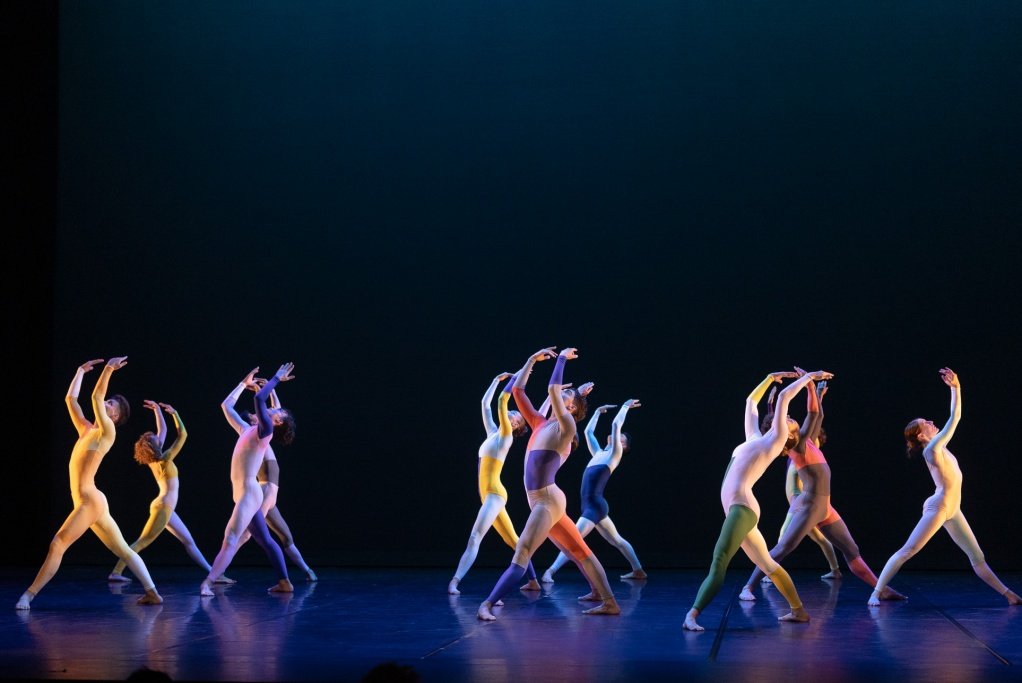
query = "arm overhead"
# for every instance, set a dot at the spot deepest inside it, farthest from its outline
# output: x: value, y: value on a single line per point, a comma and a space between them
x: 814, y: 417
x: 71, y: 399
x: 488, y: 424
x: 753, y: 399
x: 590, y: 430
x: 227, y: 405
x: 615, y: 430
x: 779, y: 427
x: 182, y: 433
x: 262, y: 410
x: 944, y: 435
x: 560, y: 412
x: 161, y: 424
x: 103, y: 421
x: 502, y: 416
x: 531, y: 415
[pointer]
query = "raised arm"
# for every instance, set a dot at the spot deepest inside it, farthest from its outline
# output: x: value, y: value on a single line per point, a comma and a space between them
x: 103, y: 421
x: 560, y: 411
x: 262, y: 411
x: 753, y: 399
x: 814, y: 417
x: 531, y: 415
x: 182, y: 433
x: 488, y: 424
x: 73, y: 407
x: 590, y: 430
x: 161, y: 424
x: 227, y: 405
x: 944, y: 435
x: 584, y: 389
x: 779, y: 425
x: 615, y: 430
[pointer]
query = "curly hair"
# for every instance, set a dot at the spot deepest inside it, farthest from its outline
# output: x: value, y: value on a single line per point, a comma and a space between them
x: 523, y: 429
x: 285, y: 431
x: 581, y: 404
x: 146, y: 450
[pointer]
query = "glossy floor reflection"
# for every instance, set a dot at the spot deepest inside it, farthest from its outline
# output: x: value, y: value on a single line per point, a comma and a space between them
x: 953, y: 628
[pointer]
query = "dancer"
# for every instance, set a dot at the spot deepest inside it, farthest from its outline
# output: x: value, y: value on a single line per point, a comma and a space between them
x: 748, y: 462
x: 548, y: 448
x: 268, y: 476
x: 162, y: 515
x: 91, y: 510
x: 944, y: 507
x: 811, y: 509
x: 793, y: 487
x: 595, y: 509
x: 248, y: 454
x: 492, y: 494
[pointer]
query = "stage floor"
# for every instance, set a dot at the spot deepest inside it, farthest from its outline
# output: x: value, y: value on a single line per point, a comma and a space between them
x: 953, y: 628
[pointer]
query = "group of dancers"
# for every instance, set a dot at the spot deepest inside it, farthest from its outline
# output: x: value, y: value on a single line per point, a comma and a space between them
x: 254, y: 479
x: 254, y: 476
x: 808, y: 486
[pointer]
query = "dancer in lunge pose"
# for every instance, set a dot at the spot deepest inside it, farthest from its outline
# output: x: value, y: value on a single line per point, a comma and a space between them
x: 162, y: 515
x: 548, y: 448
x: 248, y: 496
x: 595, y: 509
x: 944, y: 507
x: 748, y: 462
x: 91, y: 510
x: 268, y: 476
x: 811, y: 509
x: 492, y: 494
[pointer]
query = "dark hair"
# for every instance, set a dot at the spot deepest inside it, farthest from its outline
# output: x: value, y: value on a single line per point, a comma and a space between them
x: 913, y: 446
x: 523, y: 429
x: 125, y: 409
x: 145, y: 451
x: 285, y: 432
x: 629, y: 438
x: 245, y: 415
x: 581, y: 404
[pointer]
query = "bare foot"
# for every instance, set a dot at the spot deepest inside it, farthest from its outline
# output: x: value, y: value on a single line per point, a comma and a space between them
x: 24, y: 600
x: 206, y: 590
x: 766, y: 579
x: 484, y: 612
x: 532, y: 585
x: 118, y: 578
x: 282, y: 586
x: 311, y: 577
x: 452, y: 587
x: 636, y: 574
x: 690, y: 621
x: 224, y: 579
x: 609, y: 607
x: 889, y: 593
x: 151, y: 597
x: 798, y: 615
x: 832, y: 574
x: 746, y: 594
x: 547, y: 577
x: 874, y: 600
x: 592, y: 596
x: 1012, y: 598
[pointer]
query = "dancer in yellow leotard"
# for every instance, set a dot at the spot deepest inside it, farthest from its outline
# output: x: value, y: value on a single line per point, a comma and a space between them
x: 91, y: 510
x: 162, y: 511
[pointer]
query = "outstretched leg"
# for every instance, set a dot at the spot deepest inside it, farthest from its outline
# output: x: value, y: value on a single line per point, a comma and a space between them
x: 740, y: 520
x: 806, y: 513
x: 491, y: 506
x: 610, y: 534
x: 261, y: 535
x: 933, y: 518
x: 584, y: 526
x: 838, y: 534
x: 279, y: 527
x: 110, y: 534
x: 76, y: 524
x: 567, y: 537
x: 961, y: 533
x: 159, y: 515
x: 755, y: 547
x: 177, y: 528
x: 244, y: 509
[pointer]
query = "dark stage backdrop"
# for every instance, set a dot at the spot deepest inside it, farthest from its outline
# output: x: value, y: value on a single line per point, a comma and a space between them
x: 407, y: 198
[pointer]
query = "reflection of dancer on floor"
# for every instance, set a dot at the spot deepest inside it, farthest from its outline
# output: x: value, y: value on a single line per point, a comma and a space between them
x: 492, y: 494
x: 748, y: 462
x: 248, y: 496
x: 595, y: 509
x: 811, y: 509
x: 162, y: 515
x: 91, y: 510
x: 549, y: 446
x: 944, y: 507
x: 268, y: 476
